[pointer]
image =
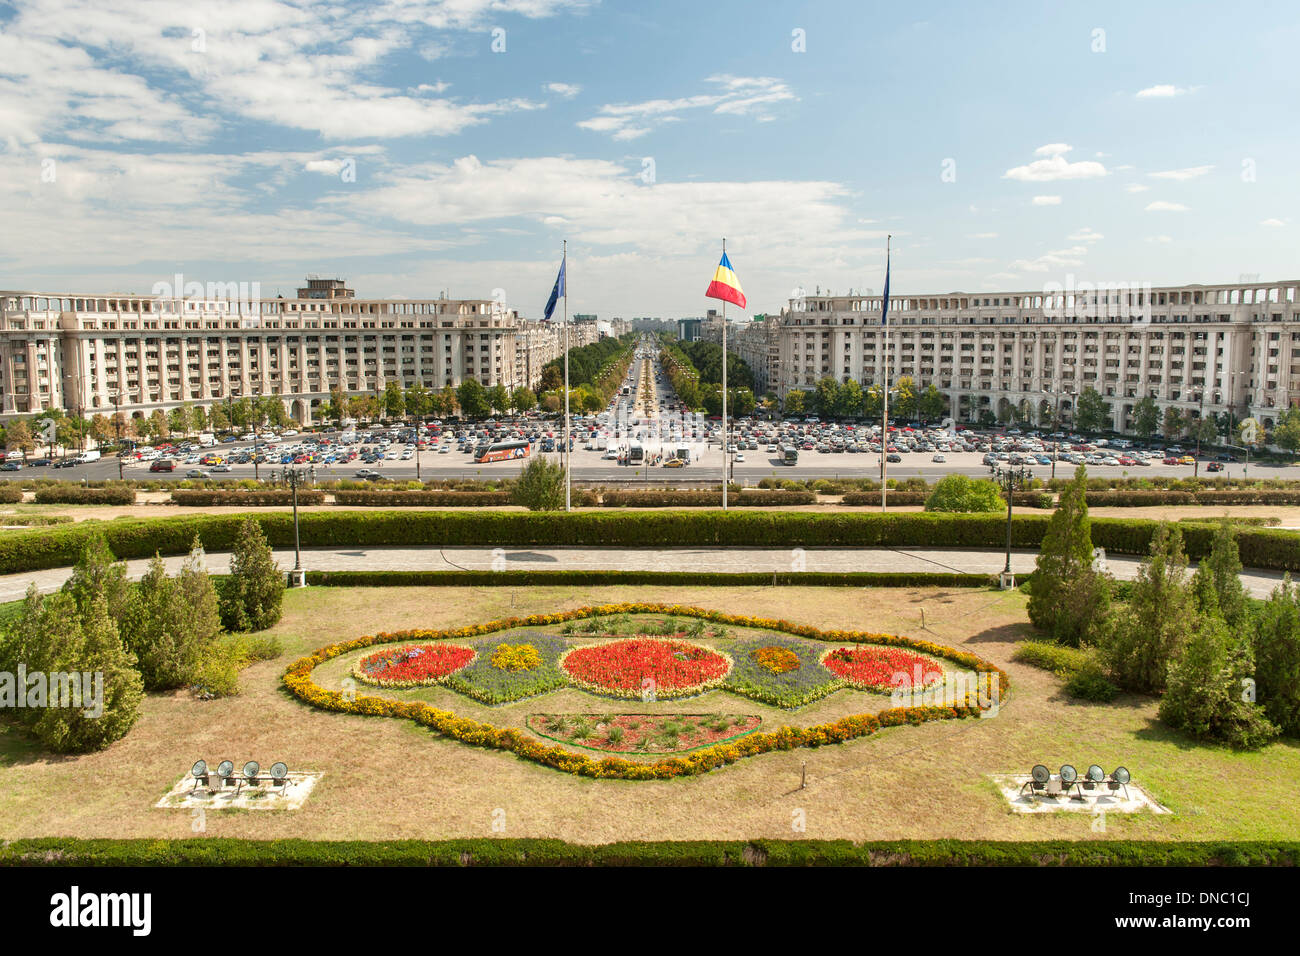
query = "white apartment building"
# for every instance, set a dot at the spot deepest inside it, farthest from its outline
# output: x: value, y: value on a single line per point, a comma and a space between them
x: 1208, y: 348
x: 97, y: 354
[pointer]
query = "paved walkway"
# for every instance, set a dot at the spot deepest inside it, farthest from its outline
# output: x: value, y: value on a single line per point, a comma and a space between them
x: 767, y: 560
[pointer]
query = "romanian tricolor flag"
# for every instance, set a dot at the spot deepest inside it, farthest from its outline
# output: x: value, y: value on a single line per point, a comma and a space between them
x: 725, y: 285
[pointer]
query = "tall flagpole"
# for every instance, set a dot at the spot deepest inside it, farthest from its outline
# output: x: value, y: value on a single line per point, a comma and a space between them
x: 568, y: 451
x: 884, y: 424
x: 725, y: 452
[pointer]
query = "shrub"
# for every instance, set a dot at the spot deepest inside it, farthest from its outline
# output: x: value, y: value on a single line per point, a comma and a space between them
x: 251, y: 594
x: 958, y: 492
x: 422, y: 499
x: 11, y: 492
x: 540, y: 486
x: 69, y: 493
x: 1090, y: 682
x: 1204, y: 693
x: 1060, y: 660
x: 174, y: 622
x: 705, y: 499
x: 1276, y: 634
x: 244, y: 499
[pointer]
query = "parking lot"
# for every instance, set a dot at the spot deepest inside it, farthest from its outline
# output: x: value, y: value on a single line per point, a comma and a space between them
x: 645, y: 434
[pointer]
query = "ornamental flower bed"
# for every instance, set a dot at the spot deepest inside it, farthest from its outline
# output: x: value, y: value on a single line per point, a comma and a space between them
x: 645, y: 668
x: 790, y: 687
x: 515, y: 657
x: 298, y: 681
x: 642, y: 733
x: 881, y: 668
x: 487, y: 682
x: 412, y: 666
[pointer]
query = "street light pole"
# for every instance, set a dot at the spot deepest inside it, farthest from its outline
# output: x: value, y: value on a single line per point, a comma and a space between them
x: 1009, y: 479
x: 1200, y: 411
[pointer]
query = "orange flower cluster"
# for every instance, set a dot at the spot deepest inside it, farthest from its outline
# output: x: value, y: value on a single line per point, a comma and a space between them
x: 778, y: 660
x: 297, y: 680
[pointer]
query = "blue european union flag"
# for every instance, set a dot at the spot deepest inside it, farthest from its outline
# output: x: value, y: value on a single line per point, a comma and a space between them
x: 557, y: 291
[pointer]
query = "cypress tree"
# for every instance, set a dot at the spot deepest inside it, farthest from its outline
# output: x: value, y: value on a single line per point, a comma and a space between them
x: 1069, y: 598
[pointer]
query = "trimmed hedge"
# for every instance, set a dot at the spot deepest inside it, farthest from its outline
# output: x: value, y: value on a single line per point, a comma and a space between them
x: 225, y: 851
x: 70, y: 493
x: 891, y: 498
x: 455, y: 579
x: 422, y: 499
x: 758, y: 498
x: 10, y: 492
x: 1267, y: 548
x: 251, y: 499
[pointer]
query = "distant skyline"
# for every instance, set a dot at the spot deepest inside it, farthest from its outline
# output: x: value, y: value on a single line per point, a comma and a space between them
x: 424, y: 146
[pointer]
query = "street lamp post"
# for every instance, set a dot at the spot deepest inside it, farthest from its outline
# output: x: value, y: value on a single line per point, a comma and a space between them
x: 1200, y: 412
x: 1010, y: 480
x: 295, y: 477
x: 117, y: 425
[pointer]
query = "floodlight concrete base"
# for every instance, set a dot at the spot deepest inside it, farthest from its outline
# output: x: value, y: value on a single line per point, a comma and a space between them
x: 298, y: 578
x: 1101, y: 800
x: 183, y: 796
x: 1007, y: 580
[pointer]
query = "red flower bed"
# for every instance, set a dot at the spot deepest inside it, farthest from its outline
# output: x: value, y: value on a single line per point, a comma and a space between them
x: 645, y: 667
x: 874, y: 668
x: 413, y: 665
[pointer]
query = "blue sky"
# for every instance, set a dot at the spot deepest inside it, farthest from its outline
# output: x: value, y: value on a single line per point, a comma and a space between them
x: 417, y: 146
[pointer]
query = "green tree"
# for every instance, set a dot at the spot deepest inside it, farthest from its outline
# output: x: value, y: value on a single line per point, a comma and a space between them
x: 957, y: 492
x: 179, y: 419
x: 418, y: 401
x: 498, y: 397
x: 1144, y: 638
x: 98, y: 573
x: 848, y: 403
x: 1216, y: 584
x: 796, y: 402
x: 174, y: 622
x: 1146, y: 418
x: 18, y: 436
x: 394, y: 400
x: 873, y: 402
x: 522, y: 399
x: 1091, y: 413
x: 1286, y: 434
x: 540, y: 486
x: 1174, y: 424
x: 1069, y: 598
x: 67, y: 642
x: 903, y: 403
x: 472, y: 399
x: 826, y: 396
x: 932, y: 404
x: 251, y: 595
x: 1203, y: 697
x: 1276, y: 635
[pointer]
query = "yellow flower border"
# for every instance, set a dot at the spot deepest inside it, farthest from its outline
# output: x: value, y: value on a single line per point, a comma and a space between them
x: 297, y: 680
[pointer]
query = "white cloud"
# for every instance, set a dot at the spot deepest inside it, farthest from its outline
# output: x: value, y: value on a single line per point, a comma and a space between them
x: 1047, y: 200
x: 1163, y: 91
x: 1271, y: 222
x: 1190, y: 172
x: 131, y: 72
x: 1085, y: 234
x: 567, y: 90
x: 1056, y: 259
x: 1055, y: 166
x: 1136, y: 188
x: 738, y: 96
x: 1161, y: 205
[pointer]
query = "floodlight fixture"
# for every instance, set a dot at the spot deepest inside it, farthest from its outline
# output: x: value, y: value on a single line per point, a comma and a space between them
x: 1040, y: 774
x: 1121, y: 775
x: 200, y: 769
x: 1068, y: 774
x: 250, y: 770
x: 1096, y: 774
x: 225, y: 768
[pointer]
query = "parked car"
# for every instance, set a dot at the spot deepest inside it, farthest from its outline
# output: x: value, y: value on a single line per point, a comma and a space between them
x: 1214, y: 466
x: 163, y: 464
x: 196, y: 473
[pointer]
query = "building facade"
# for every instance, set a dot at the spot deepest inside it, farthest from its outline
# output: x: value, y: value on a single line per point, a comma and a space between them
x: 137, y: 353
x: 1211, y: 349
x: 758, y: 343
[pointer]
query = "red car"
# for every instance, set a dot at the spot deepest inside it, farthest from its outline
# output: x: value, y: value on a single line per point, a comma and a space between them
x: 1171, y: 461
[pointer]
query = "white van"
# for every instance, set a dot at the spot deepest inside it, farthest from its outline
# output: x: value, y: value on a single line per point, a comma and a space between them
x: 88, y: 456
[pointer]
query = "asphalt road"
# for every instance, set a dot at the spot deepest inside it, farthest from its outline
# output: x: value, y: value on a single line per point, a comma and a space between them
x: 706, y: 465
